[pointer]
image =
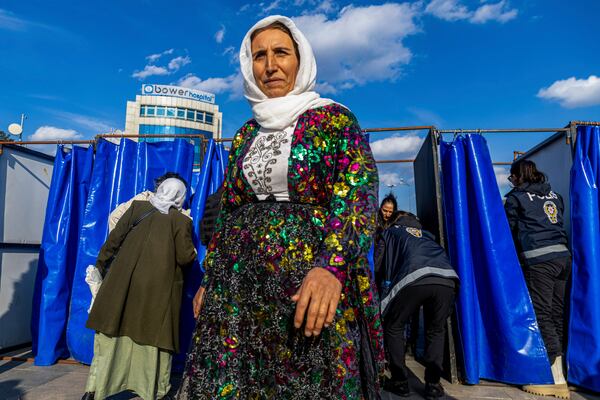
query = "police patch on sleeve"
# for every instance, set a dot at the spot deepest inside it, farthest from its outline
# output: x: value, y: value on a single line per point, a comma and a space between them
x: 551, y: 211
x: 415, y: 232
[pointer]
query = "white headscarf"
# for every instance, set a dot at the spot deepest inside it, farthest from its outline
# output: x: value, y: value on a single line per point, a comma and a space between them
x: 280, y: 112
x: 170, y: 193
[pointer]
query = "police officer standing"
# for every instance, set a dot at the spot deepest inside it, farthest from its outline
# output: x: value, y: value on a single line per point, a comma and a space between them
x: 535, y: 216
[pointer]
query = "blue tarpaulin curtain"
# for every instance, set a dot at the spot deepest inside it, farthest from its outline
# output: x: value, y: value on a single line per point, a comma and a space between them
x: 56, y: 266
x: 498, y: 332
x: 76, y: 226
x: 584, y: 329
x: 208, y: 182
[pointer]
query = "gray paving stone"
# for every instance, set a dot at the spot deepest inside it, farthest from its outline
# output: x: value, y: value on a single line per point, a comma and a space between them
x: 25, y: 381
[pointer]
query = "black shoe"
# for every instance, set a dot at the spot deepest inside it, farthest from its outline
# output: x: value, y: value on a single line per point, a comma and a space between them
x: 399, y: 388
x: 88, y: 396
x: 433, y: 391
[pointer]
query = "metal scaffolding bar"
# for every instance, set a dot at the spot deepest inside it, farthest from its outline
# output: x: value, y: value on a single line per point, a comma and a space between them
x: 568, y: 129
x: 511, y: 130
x: 162, y: 135
x: 47, y: 142
x: 394, y: 161
x: 586, y: 123
x: 400, y: 128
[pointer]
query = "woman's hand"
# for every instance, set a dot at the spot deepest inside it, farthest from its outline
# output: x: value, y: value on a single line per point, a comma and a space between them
x: 317, y: 299
x: 197, y: 302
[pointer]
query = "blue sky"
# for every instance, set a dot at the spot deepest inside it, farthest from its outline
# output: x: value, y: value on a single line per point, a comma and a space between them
x: 71, y: 66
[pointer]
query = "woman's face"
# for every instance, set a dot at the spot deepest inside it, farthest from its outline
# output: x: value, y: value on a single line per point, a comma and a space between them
x: 274, y: 62
x: 387, y: 209
x: 514, y: 179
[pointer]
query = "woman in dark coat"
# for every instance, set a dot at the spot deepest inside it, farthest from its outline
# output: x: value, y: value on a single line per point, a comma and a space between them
x: 136, y: 310
x: 387, y: 215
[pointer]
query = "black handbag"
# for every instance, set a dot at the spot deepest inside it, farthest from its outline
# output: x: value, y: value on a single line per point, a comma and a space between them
x: 136, y: 223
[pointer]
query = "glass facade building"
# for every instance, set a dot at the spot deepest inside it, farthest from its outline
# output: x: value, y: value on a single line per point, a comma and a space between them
x: 159, y: 114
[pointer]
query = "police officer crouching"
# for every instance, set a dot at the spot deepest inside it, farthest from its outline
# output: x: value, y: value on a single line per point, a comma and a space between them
x: 415, y: 272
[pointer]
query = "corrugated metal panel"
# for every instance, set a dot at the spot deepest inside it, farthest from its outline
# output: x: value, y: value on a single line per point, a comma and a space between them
x: 18, y: 267
x: 23, y: 195
x: 25, y: 177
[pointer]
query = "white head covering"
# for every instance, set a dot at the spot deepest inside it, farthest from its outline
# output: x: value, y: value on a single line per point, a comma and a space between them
x: 170, y: 193
x: 281, y: 112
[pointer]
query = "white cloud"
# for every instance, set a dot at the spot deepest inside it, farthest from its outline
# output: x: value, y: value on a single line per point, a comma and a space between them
x: 53, y: 133
x: 179, y: 62
x: 502, y: 174
x: 150, y: 70
x: 344, y: 45
x: 454, y: 10
x: 154, y: 57
x: 396, y: 146
x: 572, y: 92
x: 358, y: 45
x: 426, y: 116
x: 156, y: 70
x: 232, y: 84
x: 449, y: 10
x: 390, y: 179
x: 232, y: 53
x: 267, y: 8
x: 499, y: 12
x: 325, y: 88
x: 220, y: 35
x: 10, y: 22
x: 45, y: 97
x: 89, y: 124
x: 326, y: 6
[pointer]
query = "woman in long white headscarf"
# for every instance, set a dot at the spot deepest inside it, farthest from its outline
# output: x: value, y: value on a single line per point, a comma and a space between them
x: 136, y: 311
x: 286, y: 308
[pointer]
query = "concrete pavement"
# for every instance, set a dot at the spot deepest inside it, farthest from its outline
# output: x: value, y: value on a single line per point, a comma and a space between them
x: 20, y: 380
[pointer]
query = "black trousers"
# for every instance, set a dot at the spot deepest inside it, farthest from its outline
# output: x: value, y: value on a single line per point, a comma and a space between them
x: 547, y: 284
x: 437, y: 302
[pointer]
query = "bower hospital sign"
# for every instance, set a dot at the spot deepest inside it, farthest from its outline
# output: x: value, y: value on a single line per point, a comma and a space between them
x: 177, y: 91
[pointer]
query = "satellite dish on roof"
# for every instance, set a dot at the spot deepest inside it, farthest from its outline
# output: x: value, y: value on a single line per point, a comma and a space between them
x: 15, y: 129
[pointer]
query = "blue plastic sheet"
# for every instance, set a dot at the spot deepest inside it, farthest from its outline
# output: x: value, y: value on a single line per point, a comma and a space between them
x: 119, y: 173
x: 56, y: 266
x: 83, y: 192
x: 584, y: 329
x: 207, y: 182
x: 498, y: 332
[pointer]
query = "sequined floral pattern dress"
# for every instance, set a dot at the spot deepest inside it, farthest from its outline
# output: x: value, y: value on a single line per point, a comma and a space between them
x: 245, y: 345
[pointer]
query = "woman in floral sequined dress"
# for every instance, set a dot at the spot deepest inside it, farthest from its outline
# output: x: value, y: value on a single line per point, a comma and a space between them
x: 287, y: 308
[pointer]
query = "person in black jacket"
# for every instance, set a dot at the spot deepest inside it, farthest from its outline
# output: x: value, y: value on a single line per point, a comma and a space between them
x: 535, y: 216
x: 386, y: 216
x: 209, y: 219
x: 416, y: 272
